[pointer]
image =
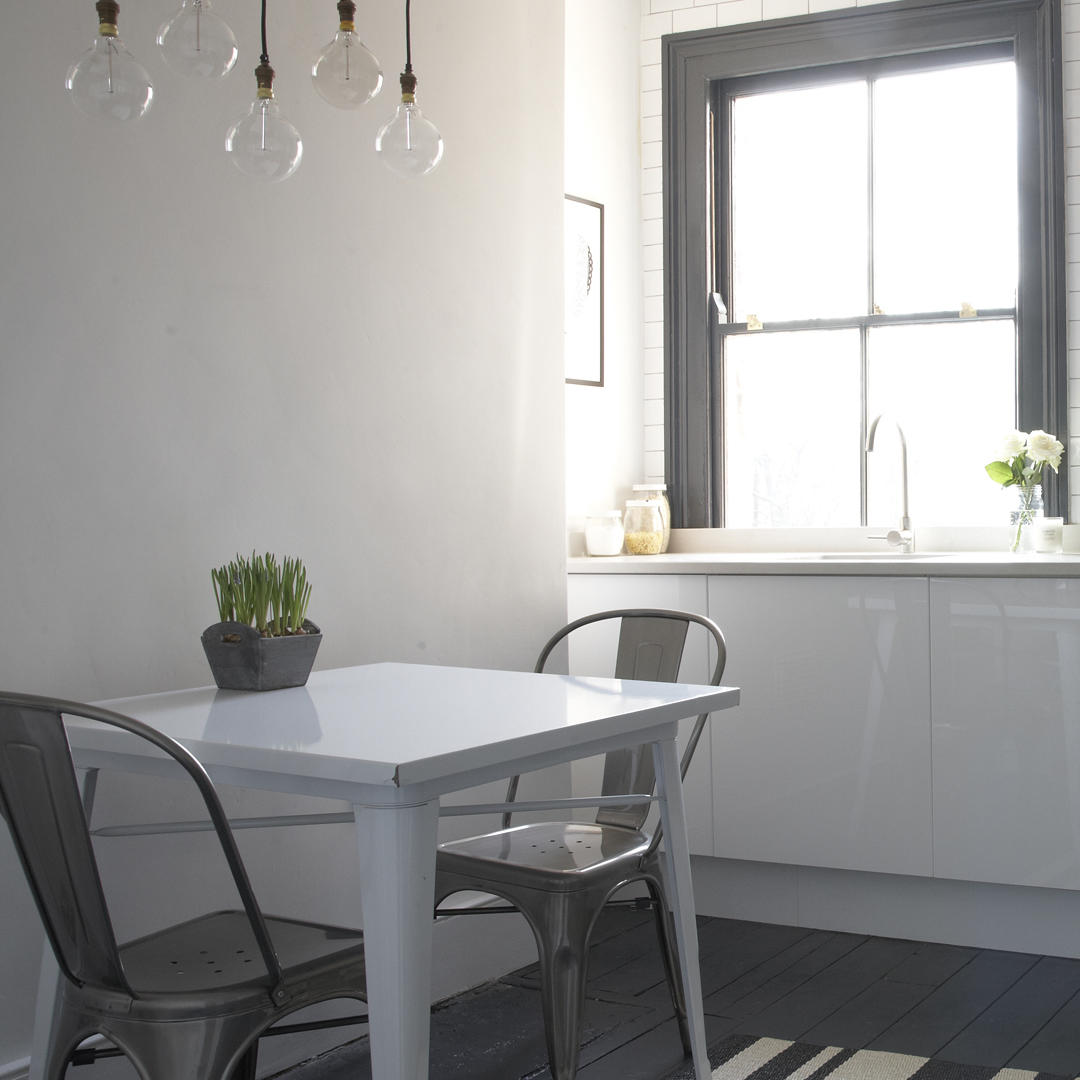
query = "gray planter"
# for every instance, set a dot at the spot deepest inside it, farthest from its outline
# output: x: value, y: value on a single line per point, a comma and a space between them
x: 254, y: 662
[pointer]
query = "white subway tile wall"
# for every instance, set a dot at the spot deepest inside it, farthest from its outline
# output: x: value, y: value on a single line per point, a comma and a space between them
x: 659, y: 17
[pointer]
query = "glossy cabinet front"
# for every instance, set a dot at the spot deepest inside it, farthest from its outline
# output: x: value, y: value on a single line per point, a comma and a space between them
x: 826, y: 761
x: 921, y: 726
x: 1006, y: 730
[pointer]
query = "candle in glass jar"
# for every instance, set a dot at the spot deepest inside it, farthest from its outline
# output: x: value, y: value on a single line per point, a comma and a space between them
x: 604, y: 533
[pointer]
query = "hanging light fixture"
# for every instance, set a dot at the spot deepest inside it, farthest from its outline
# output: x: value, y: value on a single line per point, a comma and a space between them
x: 345, y: 73
x: 409, y: 144
x: 262, y: 143
x: 108, y: 81
x: 197, y: 42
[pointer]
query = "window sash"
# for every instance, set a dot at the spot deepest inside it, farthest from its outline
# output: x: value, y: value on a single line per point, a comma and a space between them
x: 863, y: 325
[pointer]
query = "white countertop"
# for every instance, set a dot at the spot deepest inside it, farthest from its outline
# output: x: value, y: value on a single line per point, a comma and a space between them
x: 867, y: 564
x: 961, y: 551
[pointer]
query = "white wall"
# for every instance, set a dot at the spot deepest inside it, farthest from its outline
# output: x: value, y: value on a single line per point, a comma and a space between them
x: 603, y: 161
x: 361, y: 371
x: 659, y: 17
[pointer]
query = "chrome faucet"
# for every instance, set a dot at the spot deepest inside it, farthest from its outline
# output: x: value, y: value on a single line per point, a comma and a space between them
x: 902, y: 538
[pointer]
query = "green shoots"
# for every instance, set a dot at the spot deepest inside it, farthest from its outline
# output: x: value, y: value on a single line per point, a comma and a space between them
x: 261, y: 592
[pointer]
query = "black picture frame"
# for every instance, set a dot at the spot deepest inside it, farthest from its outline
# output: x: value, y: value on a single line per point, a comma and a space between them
x: 583, y: 228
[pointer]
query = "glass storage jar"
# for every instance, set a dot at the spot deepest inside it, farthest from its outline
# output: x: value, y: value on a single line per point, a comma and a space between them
x: 604, y: 533
x: 644, y: 527
x: 657, y: 493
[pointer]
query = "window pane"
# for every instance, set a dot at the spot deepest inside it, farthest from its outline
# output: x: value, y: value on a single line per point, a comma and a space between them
x: 945, y: 195
x: 951, y: 388
x: 799, y: 200
x: 792, y: 427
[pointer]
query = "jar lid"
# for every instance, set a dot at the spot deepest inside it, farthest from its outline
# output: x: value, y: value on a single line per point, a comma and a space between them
x: 650, y: 487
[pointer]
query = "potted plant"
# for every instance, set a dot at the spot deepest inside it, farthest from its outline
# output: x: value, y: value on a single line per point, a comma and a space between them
x: 264, y: 640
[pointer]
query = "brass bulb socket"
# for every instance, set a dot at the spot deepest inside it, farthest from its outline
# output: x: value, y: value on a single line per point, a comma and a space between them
x: 108, y: 12
x: 106, y: 29
x: 264, y: 79
x: 347, y: 24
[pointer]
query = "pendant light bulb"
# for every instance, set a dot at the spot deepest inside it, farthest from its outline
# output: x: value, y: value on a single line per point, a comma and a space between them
x: 197, y: 42
x: 409, y: 144
x: 262, y: 143
x: 346, y: 73
x: 107, y: 81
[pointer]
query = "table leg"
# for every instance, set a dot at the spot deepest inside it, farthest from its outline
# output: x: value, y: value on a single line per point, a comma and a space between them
x: 397, y: 896
x: 680, y: 886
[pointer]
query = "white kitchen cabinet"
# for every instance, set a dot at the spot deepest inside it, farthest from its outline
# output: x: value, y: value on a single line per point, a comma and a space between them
x: 1005, y: 677
x: 593, y: 653
x: 826, y: 761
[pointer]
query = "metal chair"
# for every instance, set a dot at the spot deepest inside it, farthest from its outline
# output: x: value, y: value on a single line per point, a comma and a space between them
x: 187, y: 1001
x: 560, y: 875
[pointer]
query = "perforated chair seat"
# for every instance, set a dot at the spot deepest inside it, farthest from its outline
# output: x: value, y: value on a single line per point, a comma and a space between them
x: 554, y: 855
x: 217, y: 954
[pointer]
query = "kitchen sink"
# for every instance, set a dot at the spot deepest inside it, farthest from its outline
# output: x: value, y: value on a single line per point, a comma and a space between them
x: 860, y: 556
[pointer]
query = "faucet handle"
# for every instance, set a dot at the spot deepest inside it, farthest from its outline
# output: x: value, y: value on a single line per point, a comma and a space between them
x: 898, y: 539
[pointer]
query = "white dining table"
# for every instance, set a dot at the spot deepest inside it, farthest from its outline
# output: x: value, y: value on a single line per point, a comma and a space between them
x: 391, y: 739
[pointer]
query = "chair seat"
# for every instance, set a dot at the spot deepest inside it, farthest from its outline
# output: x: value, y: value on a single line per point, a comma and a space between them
x: 215, y: 957
x: 558, y: 855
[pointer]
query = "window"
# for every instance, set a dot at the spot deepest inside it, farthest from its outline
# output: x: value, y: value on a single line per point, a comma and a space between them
x: 869, y: 221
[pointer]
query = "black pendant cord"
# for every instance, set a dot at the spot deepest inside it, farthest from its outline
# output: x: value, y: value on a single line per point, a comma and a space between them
x: 408, y: 36
x: 265, y: 58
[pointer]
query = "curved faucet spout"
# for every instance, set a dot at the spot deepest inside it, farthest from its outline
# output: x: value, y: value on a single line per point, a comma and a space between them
x: 905, y: 520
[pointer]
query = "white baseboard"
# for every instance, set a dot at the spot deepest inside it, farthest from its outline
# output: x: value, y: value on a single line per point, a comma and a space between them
x: 15, y: 1070
x: 1009, y: 917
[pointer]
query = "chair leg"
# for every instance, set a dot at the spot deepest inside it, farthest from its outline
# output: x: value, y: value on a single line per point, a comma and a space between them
x: 562, y: 925
x: 183, y: 1050
x: 665, y: 931
x: 66, y: 1033
x: 245, y: 1068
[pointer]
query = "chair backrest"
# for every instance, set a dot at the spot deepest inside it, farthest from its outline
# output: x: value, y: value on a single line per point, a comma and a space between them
x: 39, y: 799
x: 651, y: 642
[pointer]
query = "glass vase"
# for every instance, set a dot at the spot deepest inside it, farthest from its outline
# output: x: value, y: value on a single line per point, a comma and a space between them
x: 1029, y: 507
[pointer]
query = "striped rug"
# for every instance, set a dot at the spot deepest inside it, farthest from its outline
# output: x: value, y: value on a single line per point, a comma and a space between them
x: 746, y: 1057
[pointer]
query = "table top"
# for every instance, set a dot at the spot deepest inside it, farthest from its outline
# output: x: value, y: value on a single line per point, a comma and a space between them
x: 404, y: 725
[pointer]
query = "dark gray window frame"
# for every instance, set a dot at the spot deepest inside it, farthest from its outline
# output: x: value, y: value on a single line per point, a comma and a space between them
x: 694, y: 63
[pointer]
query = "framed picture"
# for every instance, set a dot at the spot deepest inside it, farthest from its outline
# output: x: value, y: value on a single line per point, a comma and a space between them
x: 584, y: 322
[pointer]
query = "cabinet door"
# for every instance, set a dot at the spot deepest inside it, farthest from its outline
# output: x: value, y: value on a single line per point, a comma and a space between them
x: 826, y: 761
x: 593, y: 653
x: 1005, y: 678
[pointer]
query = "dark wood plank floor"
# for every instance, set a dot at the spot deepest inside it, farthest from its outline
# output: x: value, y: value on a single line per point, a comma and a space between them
x: 970, y: 1006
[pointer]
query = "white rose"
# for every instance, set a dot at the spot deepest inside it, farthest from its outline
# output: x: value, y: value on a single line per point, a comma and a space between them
x: 1044, y: 449
x: 1012, y: 446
